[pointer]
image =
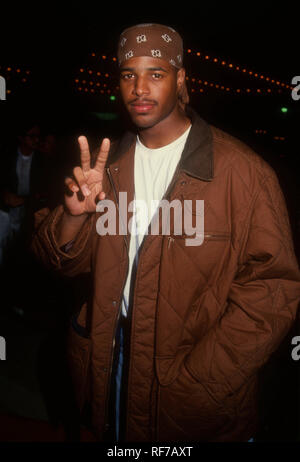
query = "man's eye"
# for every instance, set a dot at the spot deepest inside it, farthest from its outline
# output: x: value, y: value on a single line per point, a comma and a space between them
x: 157, y: 76
x: 127, y: 76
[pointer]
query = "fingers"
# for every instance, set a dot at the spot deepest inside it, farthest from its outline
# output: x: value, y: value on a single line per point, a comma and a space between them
x: 85, y: 155
x: 102, y: 156
x: 81, y: 181
x: 71, y: 185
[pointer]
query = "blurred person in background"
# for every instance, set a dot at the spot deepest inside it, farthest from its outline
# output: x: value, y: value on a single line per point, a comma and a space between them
x: 21, y: 180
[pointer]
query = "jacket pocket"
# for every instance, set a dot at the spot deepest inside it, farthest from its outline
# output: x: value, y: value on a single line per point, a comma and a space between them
x: 78, y: 358
x: 188, y: 410
x: 192, y: 239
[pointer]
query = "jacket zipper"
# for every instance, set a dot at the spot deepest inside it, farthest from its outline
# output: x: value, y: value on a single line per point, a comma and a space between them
x: 119, y: 311
x: 212, y: 236
x: 217, y: 235
x: 174, y: 179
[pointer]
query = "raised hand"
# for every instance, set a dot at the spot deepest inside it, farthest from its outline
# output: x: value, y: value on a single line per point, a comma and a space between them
x: 86, y: 180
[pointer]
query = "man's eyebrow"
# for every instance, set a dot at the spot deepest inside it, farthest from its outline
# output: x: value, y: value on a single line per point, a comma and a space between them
x: 156, y: 69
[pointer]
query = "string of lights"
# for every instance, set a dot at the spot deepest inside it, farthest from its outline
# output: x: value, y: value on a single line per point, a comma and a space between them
x: 10, y: 73
x: 265, y: 132
x: 224, y: 64
x: 13, y: 74
x: 238, y: 68
x: 205, y: 85
x: 219, y: 86
x: 89, y: 84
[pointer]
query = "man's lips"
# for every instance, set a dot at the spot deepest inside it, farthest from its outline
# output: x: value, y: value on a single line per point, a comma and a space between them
x: 142, y: 106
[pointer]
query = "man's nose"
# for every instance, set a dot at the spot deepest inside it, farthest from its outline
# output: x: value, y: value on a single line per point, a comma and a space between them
x: 141, y: 86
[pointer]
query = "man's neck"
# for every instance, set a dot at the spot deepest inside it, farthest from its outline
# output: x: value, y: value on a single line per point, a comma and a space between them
x: 164, y: 133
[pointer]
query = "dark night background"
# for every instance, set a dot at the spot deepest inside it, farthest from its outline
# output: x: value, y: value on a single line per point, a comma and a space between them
x: 54, y: 44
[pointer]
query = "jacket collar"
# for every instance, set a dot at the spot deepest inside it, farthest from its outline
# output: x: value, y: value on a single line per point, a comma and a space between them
x: 197, y: 157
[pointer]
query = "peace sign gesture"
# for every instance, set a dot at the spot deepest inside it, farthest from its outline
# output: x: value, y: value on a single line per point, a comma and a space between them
x: 87, y: 180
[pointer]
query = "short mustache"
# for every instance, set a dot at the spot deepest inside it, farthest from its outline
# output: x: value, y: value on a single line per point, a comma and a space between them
x: 142, y: 101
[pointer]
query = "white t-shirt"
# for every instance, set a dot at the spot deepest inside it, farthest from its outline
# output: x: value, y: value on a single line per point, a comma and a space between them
x: 23, y: 173
x: 153, y: 172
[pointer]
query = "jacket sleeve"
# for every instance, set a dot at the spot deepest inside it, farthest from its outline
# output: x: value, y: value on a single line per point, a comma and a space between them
x: 45, y: 247
x: 262, y: 301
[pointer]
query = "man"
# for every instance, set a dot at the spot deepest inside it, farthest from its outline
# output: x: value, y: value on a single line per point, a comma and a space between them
x: 21, y: 178
x: 20, y: 175
x: 169, y: 344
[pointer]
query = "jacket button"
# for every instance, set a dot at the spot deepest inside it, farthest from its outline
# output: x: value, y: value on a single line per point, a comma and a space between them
x: 183, y: 183
x: 114, y: 303
x: 104, y: 369
x: 116, y: 169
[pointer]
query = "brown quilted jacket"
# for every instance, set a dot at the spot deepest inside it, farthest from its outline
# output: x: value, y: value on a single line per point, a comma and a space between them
x: 204, y: 318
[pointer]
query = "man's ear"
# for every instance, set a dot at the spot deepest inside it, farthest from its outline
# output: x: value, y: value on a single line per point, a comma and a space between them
x: 182, y: 92
x: 180, y: 78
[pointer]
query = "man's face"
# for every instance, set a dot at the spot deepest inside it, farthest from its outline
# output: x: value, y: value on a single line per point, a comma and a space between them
x: 31, y: 138
x: 149, y: 89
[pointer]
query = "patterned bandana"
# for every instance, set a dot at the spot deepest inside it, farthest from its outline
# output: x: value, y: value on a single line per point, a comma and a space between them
x: 154, y: 40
